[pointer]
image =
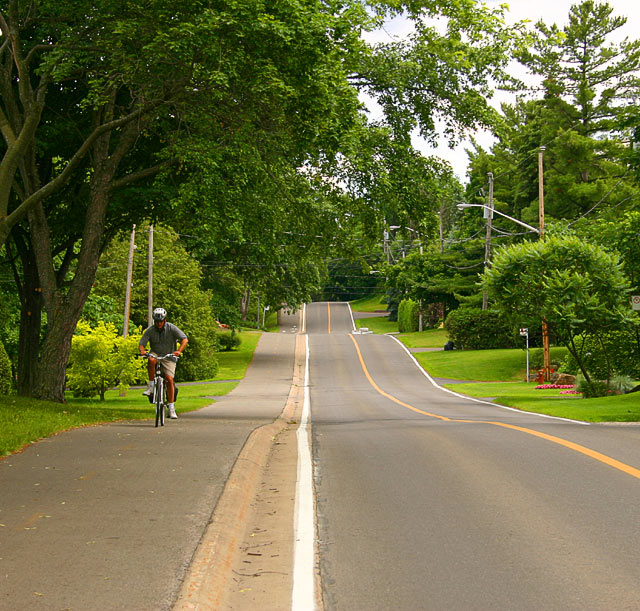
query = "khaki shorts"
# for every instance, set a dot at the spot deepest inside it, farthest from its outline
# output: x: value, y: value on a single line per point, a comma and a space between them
x: 167, y: 366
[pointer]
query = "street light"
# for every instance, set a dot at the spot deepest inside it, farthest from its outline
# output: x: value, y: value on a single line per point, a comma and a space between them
x: 462, y: 206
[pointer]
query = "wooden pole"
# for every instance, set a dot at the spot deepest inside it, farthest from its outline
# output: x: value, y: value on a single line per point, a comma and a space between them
x: 150, y: 276
x: 487, y: 244
x: 545, y: 328
x: 127, y: 295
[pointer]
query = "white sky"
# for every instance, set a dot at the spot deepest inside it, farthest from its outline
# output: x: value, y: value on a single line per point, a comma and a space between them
x: 550, y: 11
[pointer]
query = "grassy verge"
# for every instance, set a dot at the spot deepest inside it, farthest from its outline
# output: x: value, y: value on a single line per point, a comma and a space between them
x: 501, y: 375
x: 373, y: 303
x: 24, y: 420
x: 431, y: 338
x: 377, y: 324
x: 621, y: 408
x: 482, y: 365
x: 232, y: 365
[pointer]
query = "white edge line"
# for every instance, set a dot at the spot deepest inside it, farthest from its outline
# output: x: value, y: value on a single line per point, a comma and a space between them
x: 303, y: 592
x: 511, y: 409
x: 353, y: 322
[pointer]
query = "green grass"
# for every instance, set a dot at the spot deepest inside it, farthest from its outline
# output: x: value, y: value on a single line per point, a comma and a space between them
x: 431, y: 338
x: 373, y: 303
x: 24, y: 420
x: 502, y: 373
x: 232, y: 365
x: 620, y: 408
x: 377, y: 324
x: 482, y: 365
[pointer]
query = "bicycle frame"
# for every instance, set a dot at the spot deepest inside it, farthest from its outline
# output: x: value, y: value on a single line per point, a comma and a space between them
x: 159, y: 397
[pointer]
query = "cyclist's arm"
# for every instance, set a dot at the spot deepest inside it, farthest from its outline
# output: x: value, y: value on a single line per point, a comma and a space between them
x: 144, y: 340
x: 181, y: 347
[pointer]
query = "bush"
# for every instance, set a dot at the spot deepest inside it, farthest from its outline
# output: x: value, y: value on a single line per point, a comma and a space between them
x: 6, y: 384
x: 101, y: 358
x: 476, y: 329
x: 589, y: 390
x: 611, y: 354
x: 408, y: 316
x: 228, y: 340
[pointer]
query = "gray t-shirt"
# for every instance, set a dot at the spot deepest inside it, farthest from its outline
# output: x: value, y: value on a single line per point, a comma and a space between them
x: 162, y: 342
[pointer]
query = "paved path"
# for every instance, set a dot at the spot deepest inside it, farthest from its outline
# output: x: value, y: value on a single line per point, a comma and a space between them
x: 109, y: 517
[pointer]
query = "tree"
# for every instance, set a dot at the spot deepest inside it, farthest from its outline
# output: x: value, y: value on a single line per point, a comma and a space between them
x: 577, y: 287
x: 131, y: 88
x: 99, y: 98
x: 176, y: 287
x: 101, y: 359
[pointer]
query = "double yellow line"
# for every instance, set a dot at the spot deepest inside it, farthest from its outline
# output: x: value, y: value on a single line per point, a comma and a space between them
x: 603, y: 458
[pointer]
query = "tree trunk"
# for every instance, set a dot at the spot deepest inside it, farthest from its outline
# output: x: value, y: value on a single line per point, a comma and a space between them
x: 64, y: 308
x: 28, y: 286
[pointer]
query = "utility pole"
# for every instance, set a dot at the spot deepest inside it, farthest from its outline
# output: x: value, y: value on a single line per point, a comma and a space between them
x: 150, y: 276
x: 487, y: 245
x: 127, y: 294
x: 545, y: 328
x: 386, y: 246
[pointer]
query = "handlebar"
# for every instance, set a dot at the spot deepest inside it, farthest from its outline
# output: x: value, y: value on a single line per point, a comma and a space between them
x: 169, y: 357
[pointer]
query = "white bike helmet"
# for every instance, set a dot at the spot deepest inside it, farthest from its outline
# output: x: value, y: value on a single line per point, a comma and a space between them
x: 159, y: 314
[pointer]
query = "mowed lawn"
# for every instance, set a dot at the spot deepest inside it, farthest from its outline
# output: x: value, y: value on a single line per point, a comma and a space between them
x: 24, y: 420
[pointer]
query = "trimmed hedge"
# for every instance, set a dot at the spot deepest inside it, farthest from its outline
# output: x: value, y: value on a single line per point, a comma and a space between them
x: 477, y: 329
x: 408, y: 316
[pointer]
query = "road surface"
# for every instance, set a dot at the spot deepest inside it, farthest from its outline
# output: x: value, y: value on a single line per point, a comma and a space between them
x: 426, y: 500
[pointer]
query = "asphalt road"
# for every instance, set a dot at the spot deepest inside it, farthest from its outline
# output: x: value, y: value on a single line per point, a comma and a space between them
x: 427, y: 500
x: 109, y: 517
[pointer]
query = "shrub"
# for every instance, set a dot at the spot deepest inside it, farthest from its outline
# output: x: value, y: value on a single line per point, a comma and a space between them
x: 228, y: 340
x: 595, y: 388
x: 621, y: 384
x: 615, y: 353
x: 476, y: 329
x: 101, y: 358
x: 408, y: 316
x: 5, y: 372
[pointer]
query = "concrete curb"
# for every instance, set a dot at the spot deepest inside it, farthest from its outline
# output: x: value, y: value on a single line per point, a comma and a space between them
x: 210, y: 572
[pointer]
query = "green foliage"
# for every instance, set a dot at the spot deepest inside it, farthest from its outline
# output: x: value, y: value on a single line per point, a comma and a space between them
x: 579, y: 288
x: 407, y: 316
x: 228, y: 340
x: 608, y: 355
x: 476, y: 329
x: 6, y: 377
x: 592, y: 388
x: 176, y: 287
x: 101, y: 358
x: 436, y: 278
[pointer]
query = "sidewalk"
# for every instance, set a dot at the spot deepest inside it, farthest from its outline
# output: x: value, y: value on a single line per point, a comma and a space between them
x: 109, y: 517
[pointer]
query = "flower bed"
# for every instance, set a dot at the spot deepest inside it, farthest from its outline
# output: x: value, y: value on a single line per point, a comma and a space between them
x: 553, y: 386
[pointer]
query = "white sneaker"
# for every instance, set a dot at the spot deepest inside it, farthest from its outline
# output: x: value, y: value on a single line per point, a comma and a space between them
x: 149, y: 391
x: 172, y: 411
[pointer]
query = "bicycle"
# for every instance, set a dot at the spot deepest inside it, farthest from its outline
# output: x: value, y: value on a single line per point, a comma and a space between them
x: 159, y: 397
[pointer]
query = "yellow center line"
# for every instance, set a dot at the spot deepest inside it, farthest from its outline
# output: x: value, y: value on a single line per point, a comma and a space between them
x: 387, y: 395
x: 603, y: 458
x: 329, y: 315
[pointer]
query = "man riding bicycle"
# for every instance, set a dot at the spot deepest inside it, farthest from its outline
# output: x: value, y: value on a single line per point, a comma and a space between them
x: 163, y: 337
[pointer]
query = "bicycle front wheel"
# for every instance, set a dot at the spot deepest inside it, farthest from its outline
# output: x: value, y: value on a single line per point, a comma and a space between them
x: 159, y: 395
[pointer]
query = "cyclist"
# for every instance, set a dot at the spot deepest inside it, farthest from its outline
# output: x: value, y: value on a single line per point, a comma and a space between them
x: 163, y: 337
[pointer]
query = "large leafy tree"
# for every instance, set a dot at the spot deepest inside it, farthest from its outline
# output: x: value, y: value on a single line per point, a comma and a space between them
x: 587, y: 82
x: 225, y: 99
x: 577, y: 287
x: 99, y: 97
